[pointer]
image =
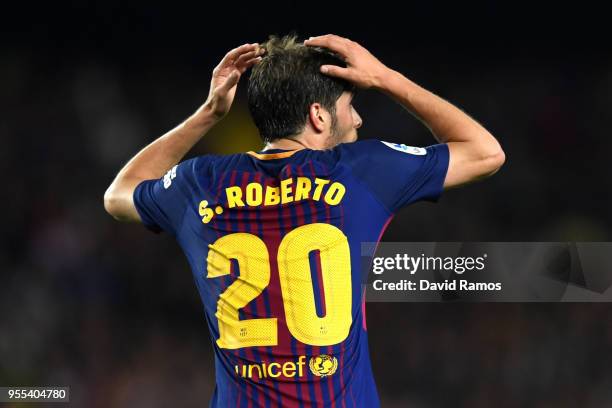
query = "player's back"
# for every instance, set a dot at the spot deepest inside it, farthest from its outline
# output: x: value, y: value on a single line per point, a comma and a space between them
x: 273, y: 239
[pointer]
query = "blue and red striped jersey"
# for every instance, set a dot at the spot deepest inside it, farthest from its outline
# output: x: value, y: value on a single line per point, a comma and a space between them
x: 273, y: 240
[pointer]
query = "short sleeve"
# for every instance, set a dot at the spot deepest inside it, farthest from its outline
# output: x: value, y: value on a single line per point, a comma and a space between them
x: 399, y: 175
x: 161, y: 203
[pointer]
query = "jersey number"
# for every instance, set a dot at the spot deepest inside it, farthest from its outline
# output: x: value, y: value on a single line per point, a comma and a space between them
x: 296, y: 285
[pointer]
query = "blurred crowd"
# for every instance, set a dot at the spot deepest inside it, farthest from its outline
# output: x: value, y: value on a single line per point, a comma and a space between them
x: 111, y: 310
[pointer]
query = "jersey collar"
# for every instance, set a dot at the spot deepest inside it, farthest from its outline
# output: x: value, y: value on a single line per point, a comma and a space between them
x: 272, y: 154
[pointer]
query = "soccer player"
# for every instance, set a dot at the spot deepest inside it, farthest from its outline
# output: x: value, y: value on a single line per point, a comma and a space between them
x: 273, y: 237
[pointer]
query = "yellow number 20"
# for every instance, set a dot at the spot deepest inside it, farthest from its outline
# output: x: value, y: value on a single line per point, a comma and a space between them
x: 296, y: 286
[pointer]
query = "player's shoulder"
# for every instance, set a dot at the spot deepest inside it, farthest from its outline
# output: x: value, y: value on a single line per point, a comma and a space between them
x: 344, y: 150
x: 370, y: 146
x: 380, y: 150
x: 192, y: 173
x: 193, y: 166
x: 349, y: 154
x: 211, y: 162
x: 357, y: 146
x: 371, y: 149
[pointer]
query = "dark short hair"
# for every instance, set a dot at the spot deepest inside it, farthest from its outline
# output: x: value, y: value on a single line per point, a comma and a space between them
x: 287, y: 81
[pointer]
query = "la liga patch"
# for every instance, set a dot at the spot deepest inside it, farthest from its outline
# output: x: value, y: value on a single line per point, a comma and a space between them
x: 418, y: 151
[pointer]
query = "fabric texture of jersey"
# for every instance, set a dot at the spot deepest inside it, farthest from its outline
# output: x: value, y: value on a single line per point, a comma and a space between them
x: 274, y: 243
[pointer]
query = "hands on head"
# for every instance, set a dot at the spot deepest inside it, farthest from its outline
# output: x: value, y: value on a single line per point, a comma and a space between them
x: 362, y: 68
x: 226, y: 75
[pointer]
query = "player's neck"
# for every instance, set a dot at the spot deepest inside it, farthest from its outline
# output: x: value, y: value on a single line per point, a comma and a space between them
x: 285, y: 144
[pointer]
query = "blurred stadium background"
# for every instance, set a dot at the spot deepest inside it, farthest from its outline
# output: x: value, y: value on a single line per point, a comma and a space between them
x: 110, y: 309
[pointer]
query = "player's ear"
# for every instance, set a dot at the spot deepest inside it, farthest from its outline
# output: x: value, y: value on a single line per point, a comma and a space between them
x: 318, y: 117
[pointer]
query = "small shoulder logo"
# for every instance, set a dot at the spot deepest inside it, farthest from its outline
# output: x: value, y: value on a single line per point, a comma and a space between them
x: 419, y: 151
x: 323, y: 365
x: 169, y: 176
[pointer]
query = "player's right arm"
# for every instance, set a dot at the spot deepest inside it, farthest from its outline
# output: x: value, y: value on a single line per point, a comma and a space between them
x: 160, y: 156
x: 474, y: 152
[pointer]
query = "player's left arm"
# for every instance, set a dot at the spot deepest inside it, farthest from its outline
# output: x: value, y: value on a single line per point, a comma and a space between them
x: 159, y: 156
x: 474, y: 153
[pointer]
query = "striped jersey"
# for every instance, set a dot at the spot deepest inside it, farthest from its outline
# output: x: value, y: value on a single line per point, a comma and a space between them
x: 273, y: 240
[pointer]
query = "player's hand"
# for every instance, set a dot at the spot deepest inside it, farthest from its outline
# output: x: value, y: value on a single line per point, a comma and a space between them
x: 362, y: 68
x: 226, y: 75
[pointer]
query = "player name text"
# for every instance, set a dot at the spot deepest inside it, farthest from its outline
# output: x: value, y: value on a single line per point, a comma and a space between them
x: 289, y: 190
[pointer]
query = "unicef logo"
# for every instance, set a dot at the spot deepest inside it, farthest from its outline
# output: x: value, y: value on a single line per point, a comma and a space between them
x: 323, y: 365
